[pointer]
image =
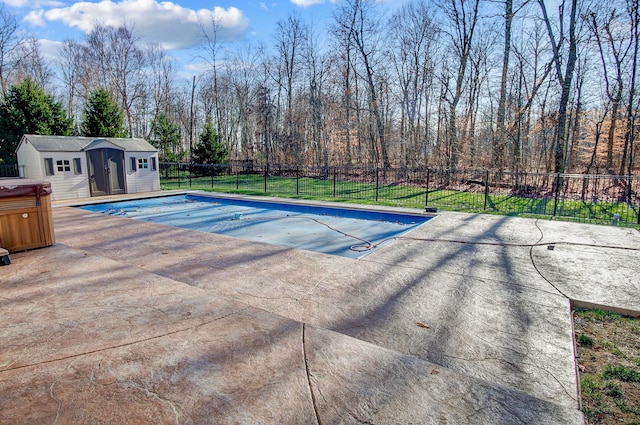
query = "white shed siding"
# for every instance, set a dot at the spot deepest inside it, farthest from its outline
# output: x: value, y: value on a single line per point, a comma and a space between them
x: 33, y: 150
x: 142, y: 179
x: 29, y: 160
x: 67, y: 184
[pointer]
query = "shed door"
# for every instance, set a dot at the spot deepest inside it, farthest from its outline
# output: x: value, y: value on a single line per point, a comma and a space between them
x: 106, y: 171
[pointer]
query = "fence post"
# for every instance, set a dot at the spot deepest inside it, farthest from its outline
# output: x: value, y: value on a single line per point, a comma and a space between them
x: 377, y: 182
x: 638, y: 205
x: 486, y: 188
x: 297, y: 180
x: 213, y: 172
x: 266, y: 173
x: 556, y: 194
x: 335, y: 176
x: 426, y: 194
x: 190, y: 172
x: 237, y: 182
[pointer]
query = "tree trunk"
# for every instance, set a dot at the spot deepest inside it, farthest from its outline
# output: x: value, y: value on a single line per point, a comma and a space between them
x: 500, y: 137
x: 565, y: 80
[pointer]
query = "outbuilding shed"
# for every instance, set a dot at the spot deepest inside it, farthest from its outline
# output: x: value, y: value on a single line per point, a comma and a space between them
x: 80, y: 167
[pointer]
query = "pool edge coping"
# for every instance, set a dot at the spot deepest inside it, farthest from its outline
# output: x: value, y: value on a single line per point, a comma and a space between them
x: 284, y: 201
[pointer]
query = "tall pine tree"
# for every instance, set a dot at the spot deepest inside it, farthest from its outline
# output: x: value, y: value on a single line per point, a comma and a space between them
x: 165, y: 135
x: 210, y: 149
x: 102, y: 117
x: 27, y: 109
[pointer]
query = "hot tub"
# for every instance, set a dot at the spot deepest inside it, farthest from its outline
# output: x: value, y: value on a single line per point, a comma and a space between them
x: 26, y: 221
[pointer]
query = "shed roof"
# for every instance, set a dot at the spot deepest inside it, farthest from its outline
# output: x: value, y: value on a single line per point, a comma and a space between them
x: 78, y: 144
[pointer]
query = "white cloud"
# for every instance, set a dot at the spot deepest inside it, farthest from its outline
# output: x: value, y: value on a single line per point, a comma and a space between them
x: 306, y: 3
x: 50, y: 50
x: 15, y: 3
x: 35, y: 18
x: 165, y: 23
x: 32, y: 3
x: 264, y: 6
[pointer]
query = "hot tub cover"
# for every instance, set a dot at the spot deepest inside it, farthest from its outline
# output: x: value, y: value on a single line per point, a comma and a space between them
x: 15, y: 188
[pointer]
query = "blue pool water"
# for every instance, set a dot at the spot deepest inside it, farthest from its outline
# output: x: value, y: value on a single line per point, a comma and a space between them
x: 337, y: 231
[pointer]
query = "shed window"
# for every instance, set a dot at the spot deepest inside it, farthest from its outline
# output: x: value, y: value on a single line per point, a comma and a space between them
x: 143, y: 163
x: 48, y: 166
x: 63, y: 165
x: 77, y: 166
x: 154, y: 167
x: 132, y: 163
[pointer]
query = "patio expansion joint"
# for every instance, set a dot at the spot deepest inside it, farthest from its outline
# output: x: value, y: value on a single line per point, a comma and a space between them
x: 309, y: 375
x: 126, y: 344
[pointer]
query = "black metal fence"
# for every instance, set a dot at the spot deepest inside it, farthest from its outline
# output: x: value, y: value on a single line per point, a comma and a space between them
x: 602, y: 199
x: 10, y: 170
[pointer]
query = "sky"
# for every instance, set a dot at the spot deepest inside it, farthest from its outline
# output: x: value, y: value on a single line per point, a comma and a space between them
x: 175, y: 24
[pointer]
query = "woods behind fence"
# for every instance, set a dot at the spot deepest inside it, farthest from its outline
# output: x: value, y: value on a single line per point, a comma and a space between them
x: 602, y: 199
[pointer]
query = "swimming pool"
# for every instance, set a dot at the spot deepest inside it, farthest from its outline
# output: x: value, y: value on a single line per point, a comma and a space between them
x: 337, y: 231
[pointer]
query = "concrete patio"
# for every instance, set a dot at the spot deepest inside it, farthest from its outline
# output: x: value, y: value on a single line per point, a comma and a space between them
x: 467, y: 320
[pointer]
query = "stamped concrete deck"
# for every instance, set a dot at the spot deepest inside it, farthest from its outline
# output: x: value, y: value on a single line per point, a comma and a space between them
x: 467, y: 320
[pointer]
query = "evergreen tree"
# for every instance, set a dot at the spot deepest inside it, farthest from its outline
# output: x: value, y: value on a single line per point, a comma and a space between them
x: 210, y: 149
x: 102, y: 116
x: 165, y: 135
x: 27, y: 109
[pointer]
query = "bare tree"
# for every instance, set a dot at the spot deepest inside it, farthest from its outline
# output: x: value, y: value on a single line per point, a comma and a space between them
x: 317, y: 68
x: 342, y: 33
x: 629, y: 139
x: 69, y: 64
x: 242, y: 101
x: 159, y: 91
x: 575, y: 118
x: 414, y: 34
x: 32, y: 64
x: 163, y: 73
x: 127, y: 66
x: 613, y: 47
x: 480, y: 67
x: 531, y: 75
x: 95, y: 63
x: 500, y: 139
x: 114, y: 60
x: 564, y: 78
x: 213, y: 45
x: 11, y: 43
x: 463, y: 20
x: 290, y: 39
x: 358, y: 19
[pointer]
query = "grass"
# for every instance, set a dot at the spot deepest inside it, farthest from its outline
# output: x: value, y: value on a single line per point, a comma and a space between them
x: 621, y: 373
x: 410, y: 197
x: 585, y: 340
x: 608, y: 357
